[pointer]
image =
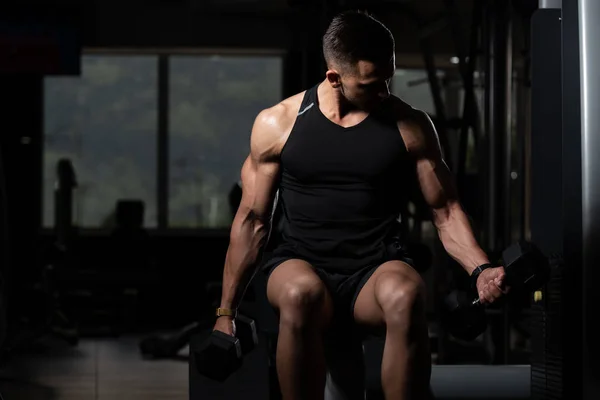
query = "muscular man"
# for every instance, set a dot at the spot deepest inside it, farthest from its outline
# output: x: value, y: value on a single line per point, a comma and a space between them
x: 340, y: 154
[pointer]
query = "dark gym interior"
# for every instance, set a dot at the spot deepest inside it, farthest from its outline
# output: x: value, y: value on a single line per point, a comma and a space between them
x: 124, y: 126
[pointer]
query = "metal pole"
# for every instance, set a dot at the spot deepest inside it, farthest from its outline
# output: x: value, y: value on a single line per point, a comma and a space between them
x: 500, y: 119
x: 589, y: 31
x: 498, y: 114
x: 507, y: 72
x: 497, y: 111
x: 489, y: 154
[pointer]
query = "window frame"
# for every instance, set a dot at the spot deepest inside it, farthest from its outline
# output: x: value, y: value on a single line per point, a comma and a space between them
x: 162, y: 146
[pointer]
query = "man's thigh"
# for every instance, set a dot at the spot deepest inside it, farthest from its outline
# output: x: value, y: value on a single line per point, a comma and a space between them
x: 368, y: 308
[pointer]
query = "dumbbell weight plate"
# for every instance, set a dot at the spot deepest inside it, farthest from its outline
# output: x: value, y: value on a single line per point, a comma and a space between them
x: 246, y: 333
x: 527, y: 269
x: 462, y: 319
x: 218, y: 356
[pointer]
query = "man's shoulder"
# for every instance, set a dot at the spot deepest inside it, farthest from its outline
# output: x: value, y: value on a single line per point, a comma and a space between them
x: 283, y: 113
x: 414, y: 124
x: 404, y: 112
x: 274, y: 124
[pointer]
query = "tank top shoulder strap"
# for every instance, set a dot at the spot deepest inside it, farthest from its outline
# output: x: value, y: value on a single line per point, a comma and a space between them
x: 308, y: 104
x: 309, y: 101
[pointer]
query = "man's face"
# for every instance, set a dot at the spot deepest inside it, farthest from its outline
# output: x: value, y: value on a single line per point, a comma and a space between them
x: 367, y: 84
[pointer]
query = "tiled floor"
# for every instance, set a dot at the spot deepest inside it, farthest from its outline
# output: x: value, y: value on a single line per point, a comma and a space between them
x: 113, y: 369
x: 100, y: 369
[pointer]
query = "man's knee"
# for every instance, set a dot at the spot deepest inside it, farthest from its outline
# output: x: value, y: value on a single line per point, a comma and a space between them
x: 400, y: 298
x: 302, y: 300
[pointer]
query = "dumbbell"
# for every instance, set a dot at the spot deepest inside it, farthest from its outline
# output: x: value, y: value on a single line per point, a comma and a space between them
x: 463, y: 318
x: 526, y: 270
x: 219, y: 355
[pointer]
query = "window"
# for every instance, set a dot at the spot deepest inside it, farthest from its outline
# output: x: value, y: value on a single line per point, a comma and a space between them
x: 213, y: 101
x: 105, y: 122
x: 412, y: 86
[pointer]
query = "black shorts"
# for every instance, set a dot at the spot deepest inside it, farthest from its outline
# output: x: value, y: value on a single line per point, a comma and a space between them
x: 344, y: 286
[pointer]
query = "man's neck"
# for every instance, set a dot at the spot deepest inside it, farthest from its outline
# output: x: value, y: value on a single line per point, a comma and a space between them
x: 333, y: 102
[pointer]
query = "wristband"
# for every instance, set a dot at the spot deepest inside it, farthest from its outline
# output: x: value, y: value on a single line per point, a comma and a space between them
x: 226, y: 312
x: 475, y: 274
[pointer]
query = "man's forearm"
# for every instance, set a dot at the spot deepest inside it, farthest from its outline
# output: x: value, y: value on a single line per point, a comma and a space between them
x: 456, y: 235
x: 246, y: 241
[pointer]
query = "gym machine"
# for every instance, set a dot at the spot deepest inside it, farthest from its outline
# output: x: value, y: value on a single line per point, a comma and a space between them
x: 564, y: 208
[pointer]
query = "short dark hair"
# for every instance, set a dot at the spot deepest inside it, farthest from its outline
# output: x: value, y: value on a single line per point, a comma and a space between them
x: 356, y: 35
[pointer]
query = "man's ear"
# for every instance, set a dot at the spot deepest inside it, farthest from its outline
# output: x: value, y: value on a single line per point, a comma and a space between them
x: 334, y: 78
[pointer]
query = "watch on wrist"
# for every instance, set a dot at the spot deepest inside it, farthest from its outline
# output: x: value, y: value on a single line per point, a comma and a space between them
x: 475, y: 274
x: 226, y: 312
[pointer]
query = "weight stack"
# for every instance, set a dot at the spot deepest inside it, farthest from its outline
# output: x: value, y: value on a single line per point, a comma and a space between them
x: 546, y: 338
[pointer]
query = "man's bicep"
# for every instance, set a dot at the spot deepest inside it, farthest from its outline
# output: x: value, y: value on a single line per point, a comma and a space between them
x: 434, y: 176
x: 260, y: 172
x: 436, y: 182
x: 259, y: 185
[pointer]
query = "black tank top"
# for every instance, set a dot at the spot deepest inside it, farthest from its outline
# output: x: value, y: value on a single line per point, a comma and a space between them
x: 341, y: 189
